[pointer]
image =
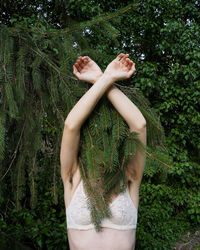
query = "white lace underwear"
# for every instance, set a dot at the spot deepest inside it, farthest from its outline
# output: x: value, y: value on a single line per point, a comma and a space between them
x: 124, y: 212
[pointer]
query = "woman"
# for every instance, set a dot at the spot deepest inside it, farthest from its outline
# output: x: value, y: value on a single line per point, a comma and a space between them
x: 82, y: 234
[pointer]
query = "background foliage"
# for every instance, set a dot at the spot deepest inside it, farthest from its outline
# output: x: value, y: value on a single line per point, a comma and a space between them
x: 162, y: 38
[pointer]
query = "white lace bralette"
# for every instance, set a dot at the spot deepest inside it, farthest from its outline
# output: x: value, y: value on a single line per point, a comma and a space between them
x: 124, y: 212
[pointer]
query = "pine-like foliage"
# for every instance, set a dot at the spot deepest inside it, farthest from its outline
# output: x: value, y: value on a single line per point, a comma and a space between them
x: 106, y: 147
x: 38, y: 89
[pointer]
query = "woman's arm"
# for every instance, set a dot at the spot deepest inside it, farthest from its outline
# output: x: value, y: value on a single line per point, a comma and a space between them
x: 73, y: 123
x: 88, y: 101
x: 116, y: 70
x: 136, y: 122
x: 126, y: 108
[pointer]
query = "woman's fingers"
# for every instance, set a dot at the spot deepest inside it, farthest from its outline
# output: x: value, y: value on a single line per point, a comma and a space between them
x: 86, y: 59
x: 75, y: 71
x: 123, y: 60
x: 81, y: 62
x: 119, y: 57
x: 126, y: 63
x: 132, y: 69
x: 129, y: 63
x: 78, y: 66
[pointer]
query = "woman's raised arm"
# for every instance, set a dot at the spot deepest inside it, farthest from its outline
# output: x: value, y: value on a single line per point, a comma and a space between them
x: 73, y: 123
x: 115, y: 71
x: 88, y: 101
x: 126, y: 108
x: 136, y: 122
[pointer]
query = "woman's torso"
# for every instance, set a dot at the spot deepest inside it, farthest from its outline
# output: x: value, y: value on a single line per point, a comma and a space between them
x: 109, y: 238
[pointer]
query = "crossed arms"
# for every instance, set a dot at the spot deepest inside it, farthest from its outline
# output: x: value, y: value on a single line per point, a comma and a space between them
x: 87, y: 70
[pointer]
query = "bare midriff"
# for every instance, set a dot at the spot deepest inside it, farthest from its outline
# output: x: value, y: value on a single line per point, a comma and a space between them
x: 107, y: 239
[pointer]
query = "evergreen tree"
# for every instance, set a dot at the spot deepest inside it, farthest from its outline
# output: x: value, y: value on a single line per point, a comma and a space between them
x: 38, y: 90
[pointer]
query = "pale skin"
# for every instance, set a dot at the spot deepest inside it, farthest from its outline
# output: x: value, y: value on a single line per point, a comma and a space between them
x: 86, y: 69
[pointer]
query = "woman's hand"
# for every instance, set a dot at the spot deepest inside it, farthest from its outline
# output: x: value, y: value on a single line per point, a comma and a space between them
x: 87, y: 70
x: 120, y: 68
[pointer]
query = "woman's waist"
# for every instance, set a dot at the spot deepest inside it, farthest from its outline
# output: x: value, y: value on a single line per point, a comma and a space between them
x: 108, y: 238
